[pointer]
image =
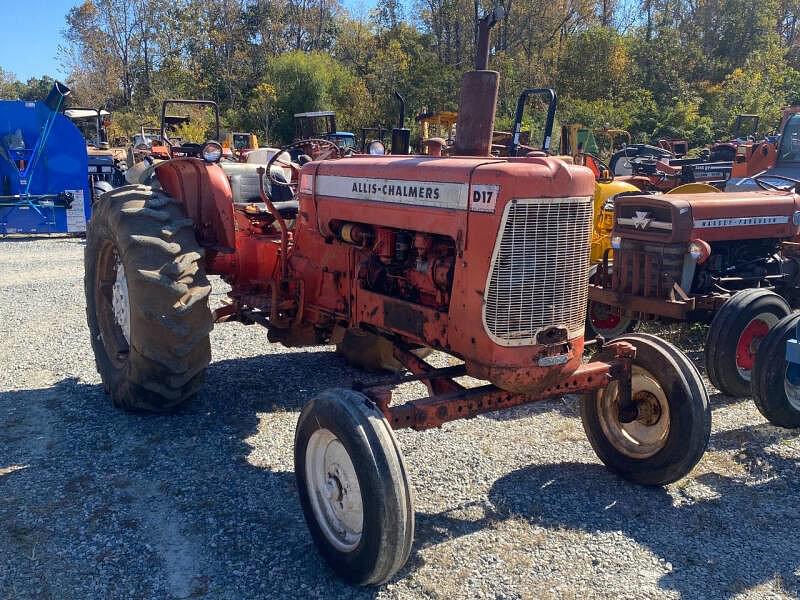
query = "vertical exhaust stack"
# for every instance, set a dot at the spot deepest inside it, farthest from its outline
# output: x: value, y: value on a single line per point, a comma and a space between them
x: 478, y: 98
x: 56, y: 96
x: 401, y: 136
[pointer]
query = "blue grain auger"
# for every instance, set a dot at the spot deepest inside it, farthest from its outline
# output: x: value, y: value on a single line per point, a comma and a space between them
x: 43, y: 166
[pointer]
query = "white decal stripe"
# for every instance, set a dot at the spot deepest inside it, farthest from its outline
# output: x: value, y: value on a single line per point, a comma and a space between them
x: 434, y: 194
x: 740, y: 222
x: 653, y: 224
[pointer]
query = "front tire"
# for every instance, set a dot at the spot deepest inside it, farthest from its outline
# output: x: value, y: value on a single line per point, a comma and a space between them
x: 146, y: 300
x: 671, y: 428
x: 735, y: 335
x: 353, y: 487
x: 776, y: 387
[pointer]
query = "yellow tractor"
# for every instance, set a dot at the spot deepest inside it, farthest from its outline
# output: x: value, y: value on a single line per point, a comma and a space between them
x: 603, y: 141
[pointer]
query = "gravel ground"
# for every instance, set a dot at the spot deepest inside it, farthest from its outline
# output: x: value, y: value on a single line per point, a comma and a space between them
x: 96, y: 503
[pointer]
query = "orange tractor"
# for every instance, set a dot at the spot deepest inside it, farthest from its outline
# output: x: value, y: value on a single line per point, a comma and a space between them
x: 484, y: 258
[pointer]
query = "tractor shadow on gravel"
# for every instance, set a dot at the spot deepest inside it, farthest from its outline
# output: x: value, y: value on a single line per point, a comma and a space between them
x: 722, y: 535
x: 95, y: 502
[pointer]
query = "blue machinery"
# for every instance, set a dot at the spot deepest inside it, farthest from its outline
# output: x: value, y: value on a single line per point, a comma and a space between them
x: 43, y: 166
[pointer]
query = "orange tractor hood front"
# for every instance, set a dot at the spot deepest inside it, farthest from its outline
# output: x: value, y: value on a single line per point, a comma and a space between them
x: 539, y: 206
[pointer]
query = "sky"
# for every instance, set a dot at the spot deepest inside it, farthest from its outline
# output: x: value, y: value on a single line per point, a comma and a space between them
x: 30, y: 33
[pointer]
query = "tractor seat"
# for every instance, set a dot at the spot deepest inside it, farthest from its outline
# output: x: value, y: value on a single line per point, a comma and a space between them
x: 287, y: 209
x: 243, y: 178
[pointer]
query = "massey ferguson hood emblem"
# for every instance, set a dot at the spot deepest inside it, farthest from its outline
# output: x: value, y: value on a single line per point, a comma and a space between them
x: 641, y: 220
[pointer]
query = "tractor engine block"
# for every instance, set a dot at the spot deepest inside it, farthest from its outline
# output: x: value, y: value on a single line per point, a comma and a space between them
x: 410, y: 265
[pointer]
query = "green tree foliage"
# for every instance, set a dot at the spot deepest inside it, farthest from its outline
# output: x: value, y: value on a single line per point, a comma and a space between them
x: 310, y: 81
x: 671, y: 68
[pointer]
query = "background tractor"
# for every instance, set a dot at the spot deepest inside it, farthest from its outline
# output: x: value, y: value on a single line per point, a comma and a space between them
x: 106, y: 165
x: 772, y: 161
x: 322, y: 125
x: 725, y: 259
x: 484, y: 258
x: 240, y: 144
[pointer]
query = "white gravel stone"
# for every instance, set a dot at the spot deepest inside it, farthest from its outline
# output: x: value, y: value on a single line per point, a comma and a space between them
x: 96, y: 503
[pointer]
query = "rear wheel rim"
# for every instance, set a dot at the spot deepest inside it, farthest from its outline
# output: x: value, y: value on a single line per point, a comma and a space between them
x: 334, y: 491
x: 112, y: 304
x: 606, y: 319
x: 749, y: 341
x: 646, y: 435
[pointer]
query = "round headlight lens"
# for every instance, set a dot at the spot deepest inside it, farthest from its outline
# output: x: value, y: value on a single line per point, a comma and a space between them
x: 211, y: 152
x: 376, y: 148
x: 699, y: 250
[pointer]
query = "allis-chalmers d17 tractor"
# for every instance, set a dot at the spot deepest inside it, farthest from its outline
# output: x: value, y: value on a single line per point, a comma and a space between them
x: 484, y: 258
x: 728, y: 259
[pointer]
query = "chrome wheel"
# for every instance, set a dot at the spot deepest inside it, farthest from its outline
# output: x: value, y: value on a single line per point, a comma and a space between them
x: 647, y: 433
x: 334, y: 491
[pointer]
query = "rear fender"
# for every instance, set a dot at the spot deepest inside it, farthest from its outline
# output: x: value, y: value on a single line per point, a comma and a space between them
x: 205, y: 193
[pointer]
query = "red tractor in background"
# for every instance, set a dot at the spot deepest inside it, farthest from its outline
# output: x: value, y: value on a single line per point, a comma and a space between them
x: 729, y: 259
x: 483, y: 258
x: 772, y: 159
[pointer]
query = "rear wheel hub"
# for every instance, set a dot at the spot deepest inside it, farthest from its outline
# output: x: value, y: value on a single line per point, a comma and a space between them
x: 749, y: 341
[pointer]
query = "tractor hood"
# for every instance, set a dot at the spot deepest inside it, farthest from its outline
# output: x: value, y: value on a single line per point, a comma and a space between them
x: 708, y: 216
x: 780, y: 171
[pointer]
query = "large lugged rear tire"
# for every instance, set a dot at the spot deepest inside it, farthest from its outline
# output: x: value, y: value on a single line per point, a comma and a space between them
x: 776, y: 390
x: 735, y: 335
x: 670, y: 431
x: 146, y: 300
x: 353, y: 486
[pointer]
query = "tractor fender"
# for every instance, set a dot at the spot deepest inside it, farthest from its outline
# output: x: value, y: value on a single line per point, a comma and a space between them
x: 205, y: 193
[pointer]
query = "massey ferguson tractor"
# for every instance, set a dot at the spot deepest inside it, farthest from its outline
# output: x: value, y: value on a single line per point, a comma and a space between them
x: 728, y: 259
x: 483, y: 258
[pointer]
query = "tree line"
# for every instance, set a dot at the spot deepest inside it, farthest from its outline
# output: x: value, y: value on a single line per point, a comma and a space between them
x: 658, y: 68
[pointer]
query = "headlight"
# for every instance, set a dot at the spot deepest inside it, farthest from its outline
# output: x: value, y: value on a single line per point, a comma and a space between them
x: 699, y: 251
x: 376, y: 148
x: 211, y: 152
x: 616, y: 242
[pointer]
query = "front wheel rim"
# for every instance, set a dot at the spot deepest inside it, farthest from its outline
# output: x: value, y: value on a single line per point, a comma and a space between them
x: 334, y: 490
x: 749, y: 341
x: 646, y: 435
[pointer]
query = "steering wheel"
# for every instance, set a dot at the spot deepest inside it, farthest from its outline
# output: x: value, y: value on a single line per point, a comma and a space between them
x: 323, y: 149
x: 765, y: 185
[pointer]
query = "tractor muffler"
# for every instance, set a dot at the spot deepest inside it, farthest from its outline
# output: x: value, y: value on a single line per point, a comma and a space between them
x: 477, y: 102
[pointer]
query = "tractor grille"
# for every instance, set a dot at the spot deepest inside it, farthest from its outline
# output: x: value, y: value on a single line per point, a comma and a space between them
x: 647, y: 269
x: 540, y: 267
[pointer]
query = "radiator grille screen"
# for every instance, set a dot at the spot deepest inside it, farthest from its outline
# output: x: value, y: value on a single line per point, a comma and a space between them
x: 540, y: 270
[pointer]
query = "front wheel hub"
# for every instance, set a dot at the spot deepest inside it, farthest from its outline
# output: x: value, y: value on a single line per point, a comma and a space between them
x: 334, y: 490
x: 648, y: 408
x: 641, y: 429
